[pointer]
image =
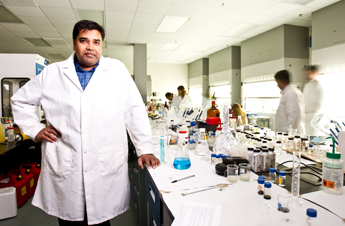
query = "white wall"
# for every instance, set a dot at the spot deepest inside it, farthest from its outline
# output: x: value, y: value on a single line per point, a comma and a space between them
x: 165, y: 77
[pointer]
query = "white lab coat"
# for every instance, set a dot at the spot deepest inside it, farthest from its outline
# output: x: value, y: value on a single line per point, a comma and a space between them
x: 290, y: 111
x: 89, y: 162
x: 314, y: 100
x: 177, y: 100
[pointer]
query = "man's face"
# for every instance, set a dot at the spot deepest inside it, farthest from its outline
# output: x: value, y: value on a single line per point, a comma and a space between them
x: 280, y: 84
x: 88, y: 48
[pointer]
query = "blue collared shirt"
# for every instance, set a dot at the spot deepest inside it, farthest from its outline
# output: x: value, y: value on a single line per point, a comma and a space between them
x: 83, y: 75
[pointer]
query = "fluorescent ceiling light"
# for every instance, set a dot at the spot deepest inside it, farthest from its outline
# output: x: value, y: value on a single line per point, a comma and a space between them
x: 300, y: 2
x: 171, y: 24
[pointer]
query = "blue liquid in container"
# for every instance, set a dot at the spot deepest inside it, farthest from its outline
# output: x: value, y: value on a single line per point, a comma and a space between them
x: 182, y: 163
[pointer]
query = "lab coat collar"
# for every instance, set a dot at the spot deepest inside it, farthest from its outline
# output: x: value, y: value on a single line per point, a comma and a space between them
x: 286, y: 88
x: 69, y: 70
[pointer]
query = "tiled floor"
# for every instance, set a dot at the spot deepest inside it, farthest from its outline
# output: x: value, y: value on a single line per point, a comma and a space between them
x: 28, y: 215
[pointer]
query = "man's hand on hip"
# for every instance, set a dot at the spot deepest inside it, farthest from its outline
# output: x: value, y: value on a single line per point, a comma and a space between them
x: 48, y: 135
x: 148, y: 160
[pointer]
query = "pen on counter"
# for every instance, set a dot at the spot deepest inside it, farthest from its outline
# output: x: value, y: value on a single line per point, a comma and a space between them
x: 174, y: 181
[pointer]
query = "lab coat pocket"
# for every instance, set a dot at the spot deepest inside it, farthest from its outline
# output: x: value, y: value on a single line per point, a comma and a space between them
x: 111, y: 159
x: 59, y: 160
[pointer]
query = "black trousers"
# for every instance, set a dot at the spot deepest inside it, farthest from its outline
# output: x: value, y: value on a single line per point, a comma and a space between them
x: 81, y: 223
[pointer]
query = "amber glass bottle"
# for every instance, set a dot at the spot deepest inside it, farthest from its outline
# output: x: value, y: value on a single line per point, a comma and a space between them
x: 213, y: 111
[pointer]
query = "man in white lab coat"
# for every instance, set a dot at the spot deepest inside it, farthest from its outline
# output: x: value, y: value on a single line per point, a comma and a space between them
x: 89, y: 102
x: 291, y: 106
x: 314, y: 99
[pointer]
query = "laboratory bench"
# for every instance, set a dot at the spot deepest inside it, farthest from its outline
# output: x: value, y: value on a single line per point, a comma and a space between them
x: 157, y: 201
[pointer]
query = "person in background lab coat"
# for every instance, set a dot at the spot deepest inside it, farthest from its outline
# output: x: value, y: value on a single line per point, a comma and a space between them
x: 291, y: 106
x: 89, y: 101
x: 182, y: 97
x: 314, y: 99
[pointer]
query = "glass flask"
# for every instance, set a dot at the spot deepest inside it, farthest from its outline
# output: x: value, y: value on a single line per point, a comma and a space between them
x: 202, y: 146
x: 181, y: 160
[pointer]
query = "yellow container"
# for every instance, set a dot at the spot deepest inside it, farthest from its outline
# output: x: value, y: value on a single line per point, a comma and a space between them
x: 2, y: 133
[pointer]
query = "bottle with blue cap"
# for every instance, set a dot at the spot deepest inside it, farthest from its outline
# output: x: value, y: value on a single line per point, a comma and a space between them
x: 267, y: 190
x: 261, y: 182
x: 311, y: 217
x: 273, y: 175
x: 282, y: 178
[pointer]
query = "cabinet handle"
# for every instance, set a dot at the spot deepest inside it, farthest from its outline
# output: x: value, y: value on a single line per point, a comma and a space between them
x: 153, y: 221
x: 152, y: 194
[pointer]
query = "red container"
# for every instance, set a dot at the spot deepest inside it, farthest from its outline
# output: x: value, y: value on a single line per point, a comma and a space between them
x: 19, y: 183
x: 21, y: 186
x: 29, y: 177
x: 213, y: 121
x: 35, y: 169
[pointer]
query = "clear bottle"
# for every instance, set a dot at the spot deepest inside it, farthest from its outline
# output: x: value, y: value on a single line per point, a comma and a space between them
x: 261, y: 182
x: 265, y: 160
x: 267, y: 190
x: 333, y: 172
x: 279, y: 136
x: 311, y: 150
x: 311, y: 217
x: 272, y: 157
x: 213, y: 111
x: 202, y: 146
x: 278, y: 147
x: 273, y: 175
x: 284, y: 140
x: 266, y: 210
x: 239, y: 123
x: 282, y: 178
x: 269, y: 143
x: 290, y: 144
x: 218, y: 131
x: 250, y: 152
x: 257, y: 161
x: 10, y: 134
x: 297, y: 143
x: 213, y: 159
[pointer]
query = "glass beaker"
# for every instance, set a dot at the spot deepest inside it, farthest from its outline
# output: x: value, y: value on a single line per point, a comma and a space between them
x: 181, y: 160
x: 202, y: 146
x: 284, y: 199
x: 244, y: 172
x: 232, y: 172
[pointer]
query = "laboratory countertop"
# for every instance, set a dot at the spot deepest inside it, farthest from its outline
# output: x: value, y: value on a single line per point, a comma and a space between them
x: 240, y: 203
x: 8, y: 146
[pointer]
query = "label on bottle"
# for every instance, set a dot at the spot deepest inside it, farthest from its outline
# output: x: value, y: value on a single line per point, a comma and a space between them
x: 280, y: 180
x: 23, y: 190
x: 32, y: 183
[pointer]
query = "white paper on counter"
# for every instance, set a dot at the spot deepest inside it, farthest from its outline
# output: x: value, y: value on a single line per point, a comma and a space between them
x: 198, y: 214
x: 335, y: 203
x: 288, y: 157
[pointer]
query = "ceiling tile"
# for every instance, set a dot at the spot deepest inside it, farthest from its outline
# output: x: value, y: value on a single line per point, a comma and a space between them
x: 235, y: 16
x: 49, y: 35
x: 199, y: 22
x: 183, y: 10
x: 147, y: 18
x: 260, y: 19
x: 160, y: 1
x: 54, y: 3
x: 59, y: 12
x: 119, y: 16
x: 116, y: 33
x: 140, y: 34
x: 321, y: 3
x: 43, y: 28
x: 239, y: 30
x: 199, y: 3
x: 137, y: 40
x: 46, y: 49
x: 209, y: 13
x: 280, y: 9
x: 118, y: 26
x: 26, y: 11
x: 62, y: 22
x: 153, y: 8
x: 2, y: 28
x: 121, y: 6
x: 144, y: 27
x: 224, y: 25
x: 281, y: 20
x: 30, y: 20
x: 301, y: 13
x: 224, y: 4
x: 65, y: 30
x: 88, y: 4
x: 253, y: 6
x: 16, y: 27
x: 156, y: 41
x: 26, y: 34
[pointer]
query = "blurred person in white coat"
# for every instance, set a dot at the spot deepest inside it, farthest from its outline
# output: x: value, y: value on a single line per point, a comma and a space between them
x: 182, y: 97
x: 291, y: 106
x: 314, y: 99
x: 89, y: 102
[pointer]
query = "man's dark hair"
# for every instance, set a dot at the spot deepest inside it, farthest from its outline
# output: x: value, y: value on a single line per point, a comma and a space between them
x: 180, y: 88
x: 312, y: 68
x: 168, y: 94
x: 283, y: 75
x: 87, y: 25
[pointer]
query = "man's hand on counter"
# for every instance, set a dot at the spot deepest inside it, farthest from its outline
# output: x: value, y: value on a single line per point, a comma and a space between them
x: 149, y: 160
x: 49, y: 133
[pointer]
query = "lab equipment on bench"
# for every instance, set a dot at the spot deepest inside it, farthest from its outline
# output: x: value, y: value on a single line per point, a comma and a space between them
x: 296, y: 172
x: 202, y: 146
x: 182, y: 161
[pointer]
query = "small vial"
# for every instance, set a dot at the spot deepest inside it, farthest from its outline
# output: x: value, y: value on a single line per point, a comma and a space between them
x: 269, y: 143
x: 282, y: 178
x: 311, y: 217
x: 267, y: 190
x: 290, y: 144
x: 278, y: 147
x: 213, y: 159
x: 273, y: 175
x: 218, y: 159
x: 311, y: 150
x: 261, y: 182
